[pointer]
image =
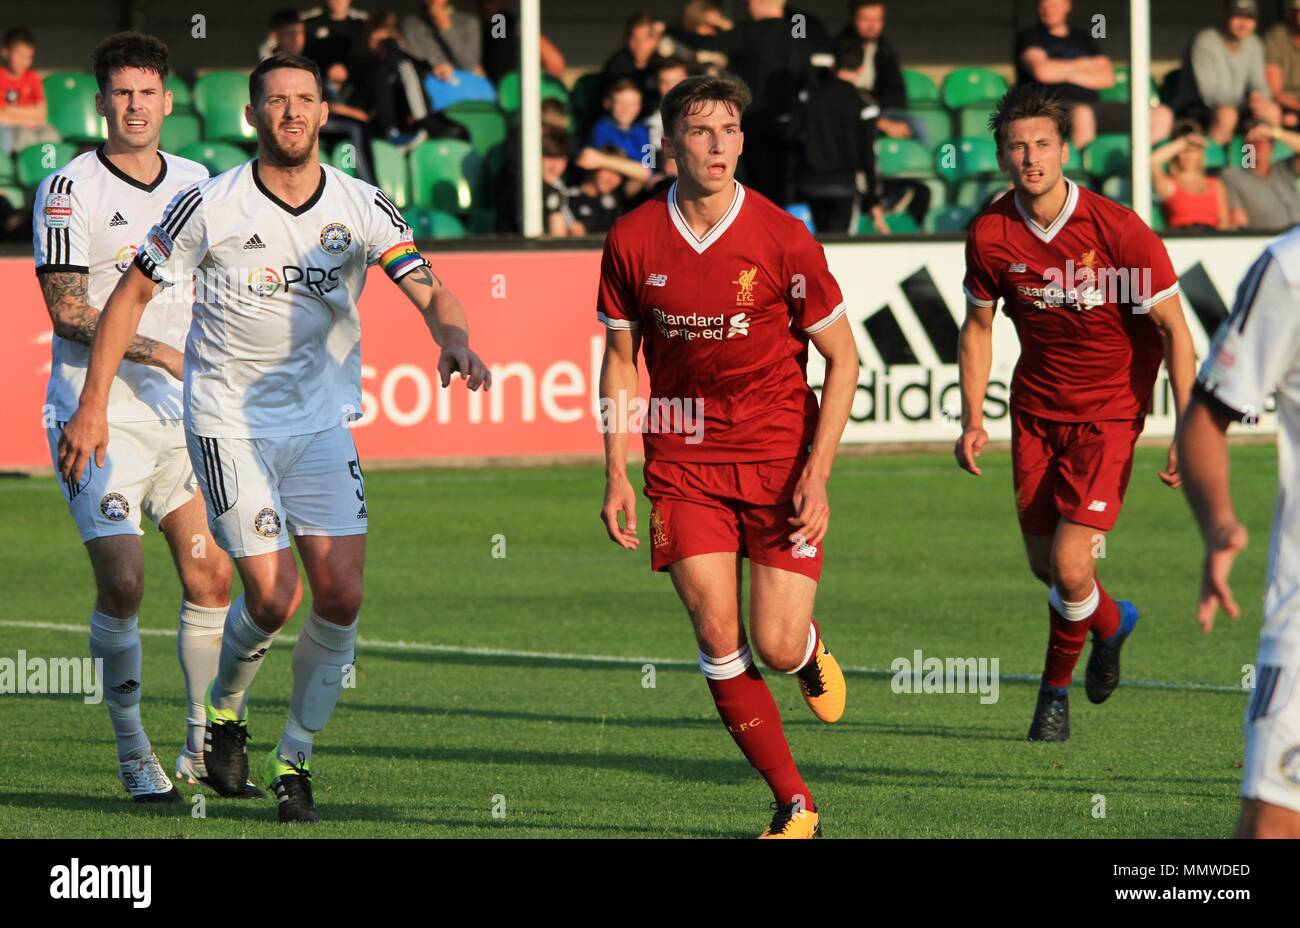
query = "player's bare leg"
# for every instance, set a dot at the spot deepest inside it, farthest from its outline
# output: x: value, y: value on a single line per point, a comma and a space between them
x: 709, y: 586
x: 324, y: 653
x: 1261, y: 819
x: 272, y: 592
x: 787, y: 637
x: 118, y: 565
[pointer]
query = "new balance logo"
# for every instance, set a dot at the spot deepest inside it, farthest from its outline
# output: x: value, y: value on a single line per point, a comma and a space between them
x: 1097, y: 505
x: 656, y: 280
x: 117, y: 220
x: 255, y: 656
x: 1016, y: 269
x: 130, y: 686
x: 254, y: 242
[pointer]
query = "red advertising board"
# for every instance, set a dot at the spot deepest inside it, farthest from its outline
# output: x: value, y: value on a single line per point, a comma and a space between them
x: 532, y: 319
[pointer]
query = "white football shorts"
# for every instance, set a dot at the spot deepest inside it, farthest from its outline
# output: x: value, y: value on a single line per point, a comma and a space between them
x: 1272, y: 768
x: 146, y: 469
x: 260, y: 491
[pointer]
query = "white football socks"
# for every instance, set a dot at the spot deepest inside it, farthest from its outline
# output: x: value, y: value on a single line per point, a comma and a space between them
x: 320, y: 657
x: 198, y: 647
x: 243, y: 645
x: 116, y: 642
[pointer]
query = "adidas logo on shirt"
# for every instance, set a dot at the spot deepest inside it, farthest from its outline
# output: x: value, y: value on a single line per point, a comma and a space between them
x: 117, y: 220
x: 254, y: 242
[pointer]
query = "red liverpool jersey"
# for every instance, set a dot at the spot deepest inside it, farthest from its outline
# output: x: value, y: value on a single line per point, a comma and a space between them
x: 1078, y: 292
x: 724, y: 321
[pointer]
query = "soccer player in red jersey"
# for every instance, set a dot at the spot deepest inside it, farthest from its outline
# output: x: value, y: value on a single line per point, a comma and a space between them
x: 723, y: 290
x: 1094, y: 300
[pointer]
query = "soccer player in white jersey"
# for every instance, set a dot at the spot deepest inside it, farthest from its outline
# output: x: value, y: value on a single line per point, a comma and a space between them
x: 279, y: 248
x: 1256, y: 352
x: 87, y: 221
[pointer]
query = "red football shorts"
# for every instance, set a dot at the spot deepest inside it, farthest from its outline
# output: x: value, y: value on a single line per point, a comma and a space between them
x: 1075, y: 470
x: 708, y: 508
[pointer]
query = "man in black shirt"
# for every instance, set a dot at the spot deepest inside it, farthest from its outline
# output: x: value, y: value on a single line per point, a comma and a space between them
x: 881, y: 77
x: 335, y: 36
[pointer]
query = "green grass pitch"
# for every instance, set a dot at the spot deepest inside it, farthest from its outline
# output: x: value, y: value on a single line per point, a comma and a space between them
x: 448, y: 736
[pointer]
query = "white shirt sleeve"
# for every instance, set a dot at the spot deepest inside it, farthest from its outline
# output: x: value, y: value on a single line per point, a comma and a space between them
x: 175, y: 246
x: 1256, y: 345
x: 389, y: 241
x: 60, y: 231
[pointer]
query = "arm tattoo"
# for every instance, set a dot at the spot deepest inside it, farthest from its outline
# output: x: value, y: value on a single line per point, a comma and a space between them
x: 423, y: 275
x: 76, y: 320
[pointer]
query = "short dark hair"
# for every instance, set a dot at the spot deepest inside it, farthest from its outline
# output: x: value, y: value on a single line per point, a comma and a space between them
x: 849, y: 55
x: 620, y: 85
x: 689, y: 97
x: 855, y: 5
x: 1028, y: 101
x: 129, y: 50
x: 281, y: 18
x: 556, y: 145
x: 635, y: 22
x: 18, y: 35
x: 257, y: 84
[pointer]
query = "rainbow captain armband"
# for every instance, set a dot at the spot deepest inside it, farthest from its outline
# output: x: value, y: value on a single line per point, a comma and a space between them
x: 401, y: 259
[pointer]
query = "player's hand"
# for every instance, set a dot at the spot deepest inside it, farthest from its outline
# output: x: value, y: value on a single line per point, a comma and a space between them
x: 456, y: 358
x: 84, y: 438
x: 812, y: 511
x: 619, y: 497
x: 1170, y: 474
x: 969, y: 446
x: 1220, y: 552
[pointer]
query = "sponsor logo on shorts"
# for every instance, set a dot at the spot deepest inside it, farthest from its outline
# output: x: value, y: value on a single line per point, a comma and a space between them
x: 1097, y: 505
x: 802, y: 550
x: 658, y: 534
x: 1290, y: 766
x: 361, y: 513
x: 267, y: 523
x: 58, y: 210
x: 335, y: 238
x: 114, y: 507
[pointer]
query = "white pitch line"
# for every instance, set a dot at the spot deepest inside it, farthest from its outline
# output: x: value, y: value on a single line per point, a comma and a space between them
x: 428, y: 648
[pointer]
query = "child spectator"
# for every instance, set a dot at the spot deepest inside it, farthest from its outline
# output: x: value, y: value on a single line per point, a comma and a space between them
x: 621, y: 127
x: 22, y: 98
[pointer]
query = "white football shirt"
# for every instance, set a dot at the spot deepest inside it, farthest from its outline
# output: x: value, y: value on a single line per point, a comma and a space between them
x: 88, y: 218
x: 1255, y: 352
x: 274, y: 347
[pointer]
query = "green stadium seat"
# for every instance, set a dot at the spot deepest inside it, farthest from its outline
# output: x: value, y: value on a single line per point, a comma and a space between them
x: 1157, y: 218
x: 922, y: 91
x: 445, y: 174
x: 7, y: 170
x: 215, y: 156
x: 220, y: 98
x: 975, y: 193
x: 435, y: 223
x: 956, y: 160
x: 938, y: 190
x: 937, y: 122
x: 898, y: 224
x: 70, y: 97
x: 484, y: 121
x: 1118, y: 188
x: 180, y: 130
x: 14, y: 194
x: 1119, y: 91
x: 949, y: 219
x: 966, y: 86
x: 903, y: 158
x: 1074, y: 163
x: 182, y: 96
x: 973, y: 121
x: 482, y: 221
x: 508, y: 91
x: 391, y: 176
x: 36, y: 161
x: 343, y: 158
x: 1216, y: 156
x: 1108, y: 154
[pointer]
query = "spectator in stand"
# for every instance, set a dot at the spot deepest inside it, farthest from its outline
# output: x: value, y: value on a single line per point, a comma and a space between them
x: 1189, y: 198
x: 1282, y: 64
x: 671, y: 72
x: 836, y: 153
x: 700, y: 20
x: 558, y: 218
x: 1222, y: 81
x: 1263, y: 197
x: 446, y: 39
x: 347, y: 121
x: 599, y: 198
x: 500, y: 42
x: 774, y: 60
x: 288, y: 35
x: 389, y: 88
x: 22, y: 97
x: 622, y: 126
x: 335, y: 36
x: 637, y: 61
x: 1071, y: 62
x: 881, y: 78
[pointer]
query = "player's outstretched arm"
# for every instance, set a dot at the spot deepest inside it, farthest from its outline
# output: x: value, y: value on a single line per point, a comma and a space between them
x: 76, y: 320
x: 445, y: 318
x: 1203, y: 450
x: 975, y: 361
x: 86, y: 434
x: 1180, y: 361
x: 812, y: 511
x: 618, y: 376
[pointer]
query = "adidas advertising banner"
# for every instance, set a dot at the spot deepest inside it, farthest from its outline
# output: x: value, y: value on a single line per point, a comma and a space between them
x: 532, y: 315
x: 906, y: 305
